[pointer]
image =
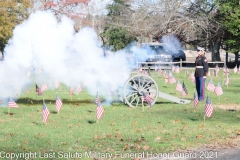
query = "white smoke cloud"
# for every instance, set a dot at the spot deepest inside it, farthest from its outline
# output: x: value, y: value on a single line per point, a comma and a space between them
x: 71, y: 58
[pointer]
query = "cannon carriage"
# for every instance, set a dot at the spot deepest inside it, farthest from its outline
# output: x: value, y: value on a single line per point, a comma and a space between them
x: 139, y: 84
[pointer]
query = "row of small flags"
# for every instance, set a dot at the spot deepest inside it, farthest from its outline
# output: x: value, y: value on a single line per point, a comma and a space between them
x: 218, y: 89
x: 45, y: 87
x: 176, y: 69
x: 58, y: 106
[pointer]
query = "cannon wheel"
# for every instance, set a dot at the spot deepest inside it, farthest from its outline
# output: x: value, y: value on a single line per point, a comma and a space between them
x: 134, y: 87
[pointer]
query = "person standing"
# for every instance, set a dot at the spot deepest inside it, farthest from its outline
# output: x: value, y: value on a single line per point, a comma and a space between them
x: 200, y: 72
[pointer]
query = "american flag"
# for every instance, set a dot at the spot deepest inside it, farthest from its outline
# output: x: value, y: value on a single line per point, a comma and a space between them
x: 44, y: 87
x: 209, y: 73
x: 156, y: 68
x: 146, y: 98
x: 71, y: 91
x: 177, y: 70
x: 172, y: 80
x: 195, y: 101
x: 58, y: 103
x: 57, y: 84
x: 12, y: 103
x: 159, y: 71
x: 186, y: 71
x: 173, y: 68
x: 192, y: 77
x: 140, y: 69
x: 227, y: 81
x: 218, y: 90
x: 45, y: 112
x: 179, y: 86
x: 184, y: 90
x: 210, y: 86
x: 235, y: 69
x: 100, y: 110
x: 208, y: 108
x: 79, y: 88
x: 166, y: 78
x: 226, y: 71
x: 38, y: 90
x: 97, y: 98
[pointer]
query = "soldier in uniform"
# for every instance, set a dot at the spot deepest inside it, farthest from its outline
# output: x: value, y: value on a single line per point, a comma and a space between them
x: 200, y: 73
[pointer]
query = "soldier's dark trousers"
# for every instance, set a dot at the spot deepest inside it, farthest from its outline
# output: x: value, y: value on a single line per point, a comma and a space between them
x: 200, y: 88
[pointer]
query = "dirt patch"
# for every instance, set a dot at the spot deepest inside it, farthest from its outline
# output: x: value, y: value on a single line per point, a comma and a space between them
x: 229, y: 107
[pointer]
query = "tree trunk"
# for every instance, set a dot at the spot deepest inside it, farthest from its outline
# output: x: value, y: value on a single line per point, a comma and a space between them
x: 215, y: 47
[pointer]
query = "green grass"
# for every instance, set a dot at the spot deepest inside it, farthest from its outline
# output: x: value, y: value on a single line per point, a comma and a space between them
x: 162, y: 128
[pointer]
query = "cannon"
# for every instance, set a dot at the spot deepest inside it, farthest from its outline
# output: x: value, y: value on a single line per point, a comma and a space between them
x: 140, y: 83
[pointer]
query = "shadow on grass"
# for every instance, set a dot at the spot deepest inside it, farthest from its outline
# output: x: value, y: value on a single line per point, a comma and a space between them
x: 91, y: 121
x: 193, y: 119
x: 54, y: 112
x: 165, y: 102
x: 39, y: 100
x: 10, y: 114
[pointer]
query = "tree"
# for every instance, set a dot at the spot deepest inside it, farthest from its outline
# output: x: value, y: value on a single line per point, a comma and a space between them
x: 230, y: 19
x: 116, y: 36
x: 74, y: 9
x: 12, y: 13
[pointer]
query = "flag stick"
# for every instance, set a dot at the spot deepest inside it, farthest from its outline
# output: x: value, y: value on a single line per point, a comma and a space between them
x: 9, y: 110
x: 142, y: 106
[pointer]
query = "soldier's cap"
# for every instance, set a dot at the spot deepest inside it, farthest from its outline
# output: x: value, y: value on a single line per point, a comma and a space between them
x: 200, y: 49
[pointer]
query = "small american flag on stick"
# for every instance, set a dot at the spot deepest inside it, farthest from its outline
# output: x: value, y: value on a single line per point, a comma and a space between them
x: 177, y: 70
x: 44, y: 87
x: 58, y: 103
x: 79, y: 88
x: 208, y: 108
x: 38, y: 90
x: 179, y: 86
x: 57, y: 84
x: 97, y: 98
x: 195, y: 101
x: 210, y: 86
x: 100, y: 110
x: 172, y: 80
x: 12, y: 103
x: 45, y: 112
x: 227, y: 81
x: 71, y: 91
x: 147, y: 99
x: 235, y: 69
x: 218, y: 90
x: 184, y: 90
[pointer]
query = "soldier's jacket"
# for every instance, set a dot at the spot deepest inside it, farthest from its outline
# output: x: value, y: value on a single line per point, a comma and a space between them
x: 201, y: 66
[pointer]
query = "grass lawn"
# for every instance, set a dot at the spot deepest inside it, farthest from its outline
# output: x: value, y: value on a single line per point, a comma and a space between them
x: 165, y: 127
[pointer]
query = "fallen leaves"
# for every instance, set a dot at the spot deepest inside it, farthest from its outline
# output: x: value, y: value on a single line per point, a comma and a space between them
x: 158, y: 138
x: 40, y: 135
x: 237, y: 132
x: 199, y: 136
